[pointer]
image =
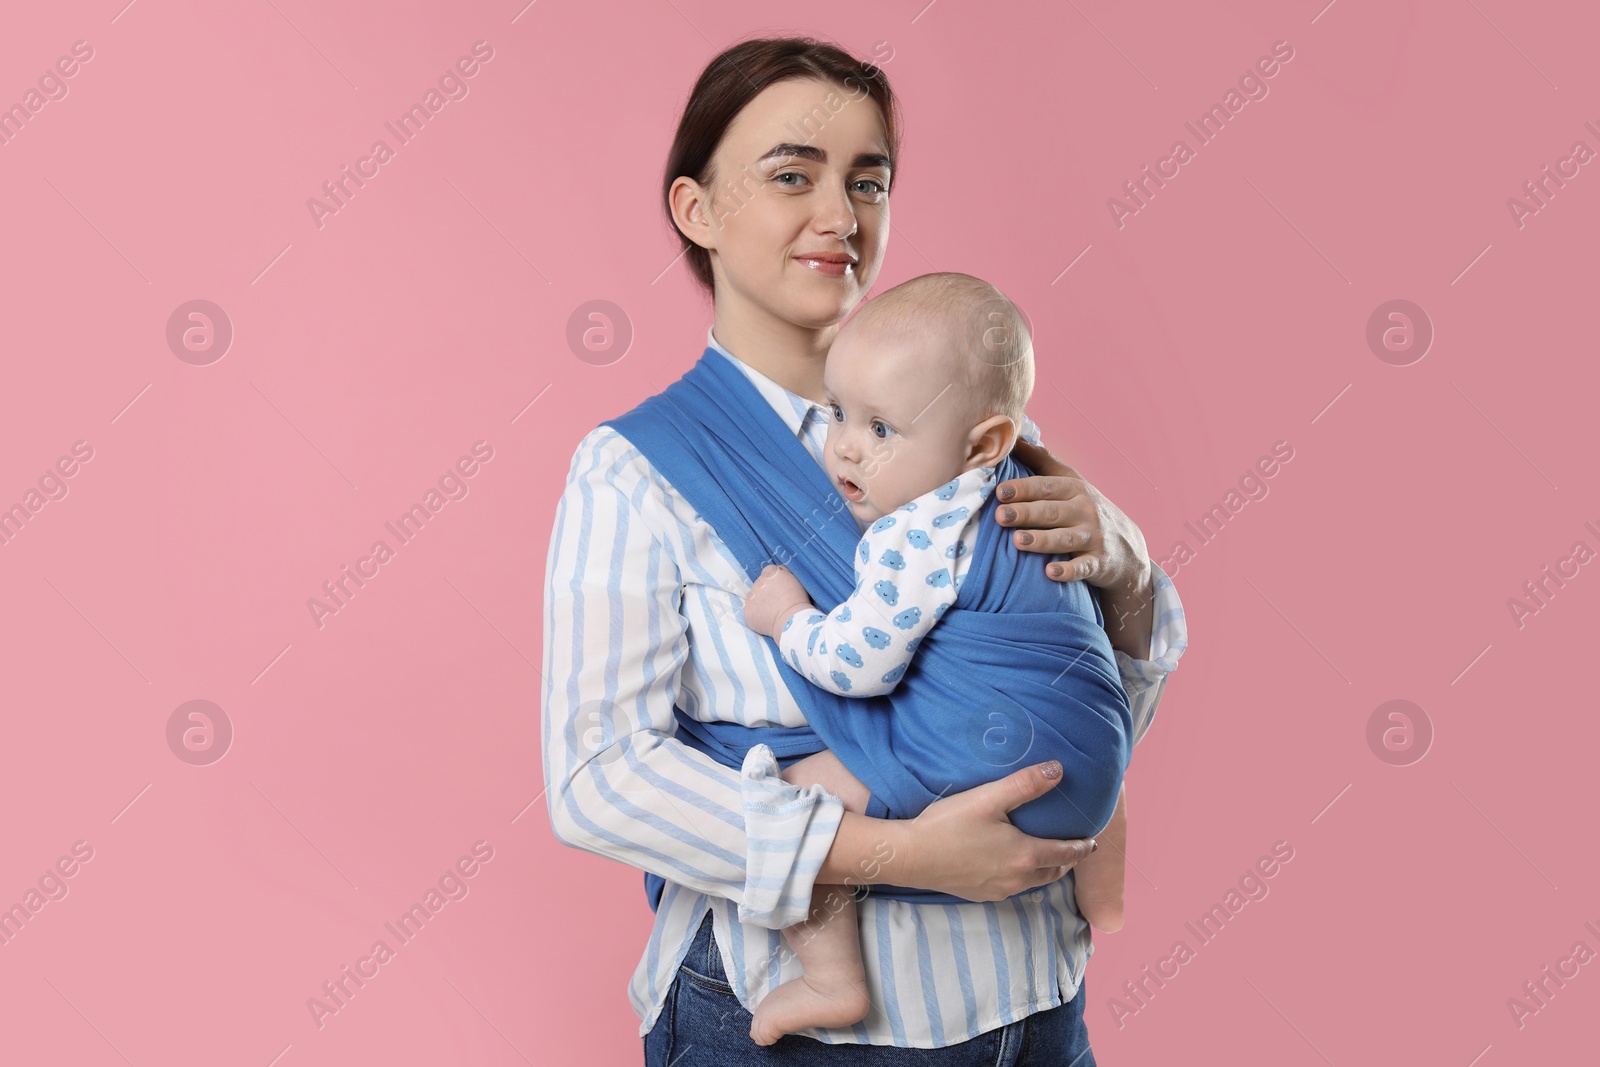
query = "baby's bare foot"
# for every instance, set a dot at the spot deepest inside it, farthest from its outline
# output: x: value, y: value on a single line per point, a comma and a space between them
x: 806, y: 1002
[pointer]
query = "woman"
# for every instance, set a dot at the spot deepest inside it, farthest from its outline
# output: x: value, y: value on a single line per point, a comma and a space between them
x: 778, y: 185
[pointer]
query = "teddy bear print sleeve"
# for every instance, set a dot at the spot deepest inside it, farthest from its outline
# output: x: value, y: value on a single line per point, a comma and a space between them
x: 909, y: 566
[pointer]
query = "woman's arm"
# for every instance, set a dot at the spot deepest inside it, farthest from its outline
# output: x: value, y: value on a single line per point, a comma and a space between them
x: 623, y: 786
x: 620, y: 782
x: 963, y: 844
x: 1099, y: 879
x: 1057, y: 511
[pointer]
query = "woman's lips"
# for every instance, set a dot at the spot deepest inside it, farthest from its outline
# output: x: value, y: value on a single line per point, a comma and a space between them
x: 832, y: 268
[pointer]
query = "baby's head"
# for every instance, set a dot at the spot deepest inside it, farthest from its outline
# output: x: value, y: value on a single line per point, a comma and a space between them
x: 926, y: 381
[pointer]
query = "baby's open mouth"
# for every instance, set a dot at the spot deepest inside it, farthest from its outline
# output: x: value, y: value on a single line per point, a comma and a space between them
x: 851, y: 490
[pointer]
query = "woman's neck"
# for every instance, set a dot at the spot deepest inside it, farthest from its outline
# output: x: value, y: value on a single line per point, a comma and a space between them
x: 790, y: 355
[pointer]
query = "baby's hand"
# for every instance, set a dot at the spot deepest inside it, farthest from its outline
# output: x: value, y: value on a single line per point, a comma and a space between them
x: 776, y: 595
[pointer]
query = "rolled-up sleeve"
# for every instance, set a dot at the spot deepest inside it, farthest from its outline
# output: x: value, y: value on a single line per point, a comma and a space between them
x: 1144, y: 679
x: 792, y: 830
x: 619, y: 782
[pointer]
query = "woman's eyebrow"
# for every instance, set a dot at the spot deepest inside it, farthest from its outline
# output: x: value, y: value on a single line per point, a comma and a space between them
x: 812, y: 152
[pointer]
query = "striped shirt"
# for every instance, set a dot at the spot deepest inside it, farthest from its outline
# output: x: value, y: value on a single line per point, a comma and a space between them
x: 643, y: 611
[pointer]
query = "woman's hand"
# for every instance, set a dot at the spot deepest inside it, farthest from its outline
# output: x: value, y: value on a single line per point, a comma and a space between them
x: 1067, y: 514
x: 965, y: 845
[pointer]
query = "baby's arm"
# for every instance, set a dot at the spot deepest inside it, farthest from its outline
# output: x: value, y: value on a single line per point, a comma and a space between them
x: 837, y: 652
x: 816, y: 645
x: 1099, y: 877
x: 863, y: 647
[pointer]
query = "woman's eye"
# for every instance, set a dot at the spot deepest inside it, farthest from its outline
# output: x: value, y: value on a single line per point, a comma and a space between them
x: 880, y: 430
x: 787, y: 174
x: 877, y: 189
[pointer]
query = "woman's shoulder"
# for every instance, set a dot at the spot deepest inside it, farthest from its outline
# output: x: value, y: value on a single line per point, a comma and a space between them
x: 606, y: 458
x: 604, y: 449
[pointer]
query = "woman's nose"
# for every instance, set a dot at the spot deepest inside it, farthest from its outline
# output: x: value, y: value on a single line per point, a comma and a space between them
x: 835, y: 214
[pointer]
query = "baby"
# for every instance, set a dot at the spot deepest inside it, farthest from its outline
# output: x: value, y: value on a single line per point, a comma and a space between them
x: 927, y: 385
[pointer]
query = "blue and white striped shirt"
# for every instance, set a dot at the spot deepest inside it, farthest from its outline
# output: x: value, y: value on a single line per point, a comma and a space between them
x: 643, y: 611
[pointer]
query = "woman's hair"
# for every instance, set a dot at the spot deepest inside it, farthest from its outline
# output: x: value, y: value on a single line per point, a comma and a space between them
x: 732, y: 80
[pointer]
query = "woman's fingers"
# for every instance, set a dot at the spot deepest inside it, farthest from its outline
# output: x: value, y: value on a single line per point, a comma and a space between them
x: 1073, y: 537
x: 1074, y: 570
x: 1056, y: 514
x: 1060, y: 857
x: 1040, y: 488
x: 995, y: 860
x: 1048, y: 503
x: 1019, y: 787
x: 1057, y: 499
x: 1045, y: 514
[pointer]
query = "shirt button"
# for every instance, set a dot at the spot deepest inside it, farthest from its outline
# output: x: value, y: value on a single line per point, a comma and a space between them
x: 1036, y: 896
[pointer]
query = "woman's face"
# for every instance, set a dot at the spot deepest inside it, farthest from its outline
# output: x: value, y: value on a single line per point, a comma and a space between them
x: 799, y: 212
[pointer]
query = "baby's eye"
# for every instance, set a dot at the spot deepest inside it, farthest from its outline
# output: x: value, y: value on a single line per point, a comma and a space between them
x: 881, y: 429
x: 838, y: 412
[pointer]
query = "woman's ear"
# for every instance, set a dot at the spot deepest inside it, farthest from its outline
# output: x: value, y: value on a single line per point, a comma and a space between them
x: 691, y: 210
x: 990, y: 441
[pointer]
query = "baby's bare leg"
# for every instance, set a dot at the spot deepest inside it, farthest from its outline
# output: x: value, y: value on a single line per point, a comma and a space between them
x: 833, y: 989
x: 824, y: 769
x: 1099, y: 878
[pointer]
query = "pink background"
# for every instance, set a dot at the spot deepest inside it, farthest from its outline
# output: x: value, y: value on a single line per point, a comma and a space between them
x: 372, y: 352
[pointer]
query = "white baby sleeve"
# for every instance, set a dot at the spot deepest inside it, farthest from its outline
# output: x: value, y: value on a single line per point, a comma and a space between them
x: 906, y: 578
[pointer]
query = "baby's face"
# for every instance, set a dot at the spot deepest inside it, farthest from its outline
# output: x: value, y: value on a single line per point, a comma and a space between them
x: 901, y: 419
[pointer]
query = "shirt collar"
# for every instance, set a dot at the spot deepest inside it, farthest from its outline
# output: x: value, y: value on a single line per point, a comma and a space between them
x: 792, y: 408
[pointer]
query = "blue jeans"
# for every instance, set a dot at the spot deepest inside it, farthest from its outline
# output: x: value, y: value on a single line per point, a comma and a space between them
x: 702, y: 1024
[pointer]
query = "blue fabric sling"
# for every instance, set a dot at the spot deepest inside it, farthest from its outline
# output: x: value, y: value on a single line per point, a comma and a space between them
x: 1018, y: 671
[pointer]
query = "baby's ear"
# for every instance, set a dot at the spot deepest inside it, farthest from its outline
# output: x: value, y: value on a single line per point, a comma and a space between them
x: 990, y: 441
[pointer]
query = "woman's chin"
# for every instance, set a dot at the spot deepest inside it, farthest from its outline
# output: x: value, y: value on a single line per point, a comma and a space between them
x: 813, y: 317
x: 822, y: 302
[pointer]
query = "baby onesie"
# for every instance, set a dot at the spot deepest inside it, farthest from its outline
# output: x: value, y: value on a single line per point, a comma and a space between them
x: 909, y: 566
